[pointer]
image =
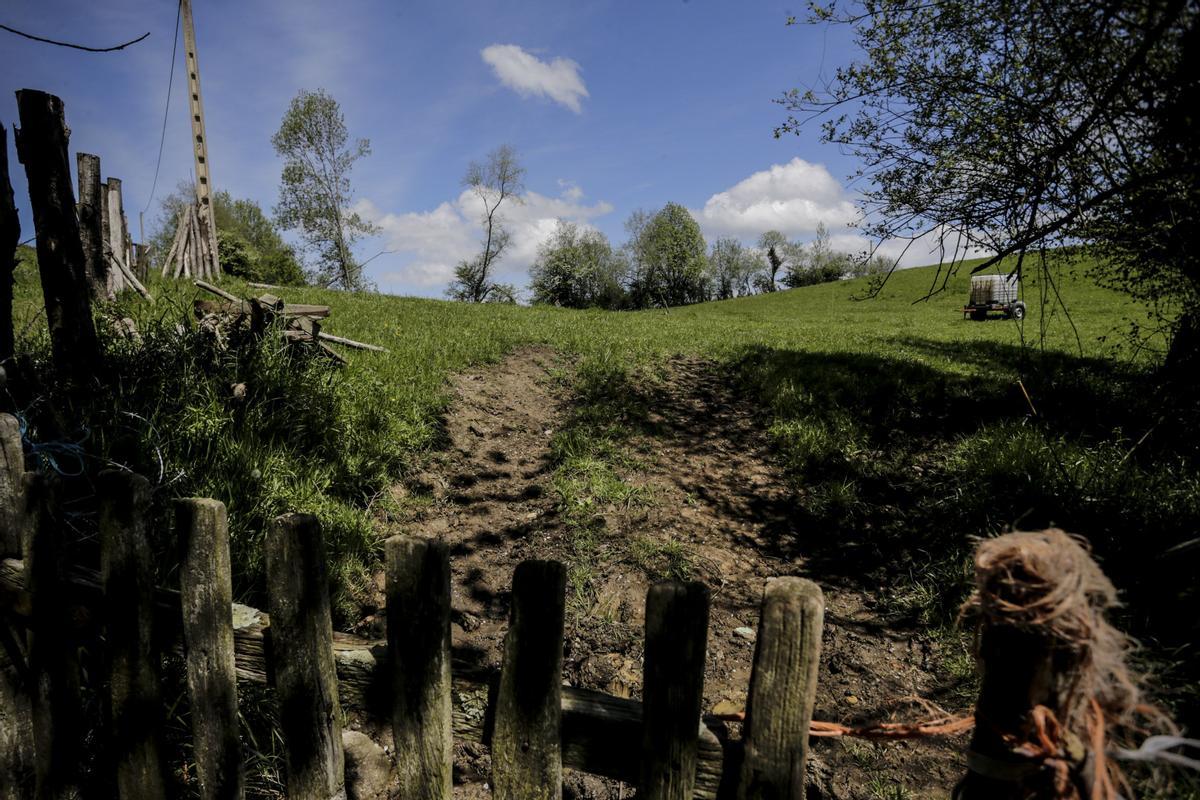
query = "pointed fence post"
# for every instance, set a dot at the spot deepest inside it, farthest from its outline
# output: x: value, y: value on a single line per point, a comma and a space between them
x: 418, y: 633
x: 526, y: 744
x: 302, y: 658
x: 673, y: 688
x: 783, y: 690
x: 42, y: 146
x: 90, y: 211
x: 127, y: 576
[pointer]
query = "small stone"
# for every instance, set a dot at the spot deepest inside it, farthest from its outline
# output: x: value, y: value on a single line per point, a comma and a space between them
x: 744, y: 633
x: 851, y: 700
x: 368, y: 768
x: 726, y: 708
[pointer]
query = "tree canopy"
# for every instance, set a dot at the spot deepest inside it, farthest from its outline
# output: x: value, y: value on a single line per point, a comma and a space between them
x: 667, y: 265
x: 577, y: 268
x: 314, y: 191
x: 494, y: 180
x: 1019, y: 126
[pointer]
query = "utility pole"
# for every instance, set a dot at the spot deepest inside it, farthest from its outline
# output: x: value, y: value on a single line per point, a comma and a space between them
x: 199, y: 142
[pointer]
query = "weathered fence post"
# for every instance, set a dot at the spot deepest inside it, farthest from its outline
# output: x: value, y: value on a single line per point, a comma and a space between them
x: 16, y: 744
x: 127, y: 576
x: 15, y: 519
x: 418, y: 633
x: 302, y: 658
x: 673, y: 688
x: 206, y: 597
x: 526, y: 744
x: 90, y: 211
x: 10, y: 235
x: 783, y: 690
x: 53, y: 665
x: 42, y: 147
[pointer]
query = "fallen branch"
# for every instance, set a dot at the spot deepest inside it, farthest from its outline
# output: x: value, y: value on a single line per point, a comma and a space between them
x: 350, y: 342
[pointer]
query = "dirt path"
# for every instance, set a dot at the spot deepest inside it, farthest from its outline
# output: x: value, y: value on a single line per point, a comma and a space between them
x: 717, y: 508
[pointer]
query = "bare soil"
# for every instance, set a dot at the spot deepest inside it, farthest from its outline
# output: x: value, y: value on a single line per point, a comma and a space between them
x: 707, y: 468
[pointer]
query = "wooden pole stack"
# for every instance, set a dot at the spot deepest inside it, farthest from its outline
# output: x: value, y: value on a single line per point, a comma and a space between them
x: 193, y: 252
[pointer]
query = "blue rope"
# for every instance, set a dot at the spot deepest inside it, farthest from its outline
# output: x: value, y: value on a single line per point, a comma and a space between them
x: 49, y: 453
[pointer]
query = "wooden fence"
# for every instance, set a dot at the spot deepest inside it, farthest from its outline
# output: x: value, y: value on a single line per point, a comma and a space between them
x: 533, y: 724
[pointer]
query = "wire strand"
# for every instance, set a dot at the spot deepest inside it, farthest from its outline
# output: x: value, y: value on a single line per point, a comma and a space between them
x: 167, y: 108
x: 75, y: 46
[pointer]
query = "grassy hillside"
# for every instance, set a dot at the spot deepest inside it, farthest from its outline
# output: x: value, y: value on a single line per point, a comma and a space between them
x: 902, y: 425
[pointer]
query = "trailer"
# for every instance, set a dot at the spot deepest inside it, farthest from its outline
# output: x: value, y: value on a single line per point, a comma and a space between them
x: 994, y: 294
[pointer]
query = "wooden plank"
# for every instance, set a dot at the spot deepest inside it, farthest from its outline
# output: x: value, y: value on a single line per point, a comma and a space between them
x: 42, y: 146
x: 526, y: 745
x: 310, y: 716
x: 327, y: 337
x: 10, y: 235
x: 783, y: 690
x: 129, y: 277
x: 91, y: 229
x: 206, y: 598
x: 127, y: 577
x: 52, y: 656
x: 302, y: 309
x: 673, y: 688
x: 601, y: 734
x: 418, y: 632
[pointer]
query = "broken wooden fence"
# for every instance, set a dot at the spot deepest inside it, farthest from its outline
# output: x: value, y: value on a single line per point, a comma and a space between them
x: 534, y: 725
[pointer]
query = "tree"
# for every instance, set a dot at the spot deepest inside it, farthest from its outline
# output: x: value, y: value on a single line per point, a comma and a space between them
x: 733, y: 269
x: 668, y: 266
x: 772, y: 244
x: 1017, y: 127
x: 314, y: 192
x: 577, y: 269
x: 249, y: 244
x: 816, y: 262
x: 493, y: 181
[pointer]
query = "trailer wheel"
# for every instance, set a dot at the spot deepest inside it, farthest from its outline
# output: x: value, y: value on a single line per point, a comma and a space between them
x: 1018, y: 310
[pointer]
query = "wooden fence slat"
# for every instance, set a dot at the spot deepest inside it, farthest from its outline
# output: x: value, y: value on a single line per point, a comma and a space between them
x: 10, y: 236
x: 673, y: 688
x: 15, y: 520
x: 114, y: 242
x: 90, y: 212
x: 418, y: 632
x: 42, y: 146
x: 206, y: 596
x: 301, y: 642
x: 783, y: 690
x: 16, y: 744
x: 526, y: 745
x: 127, y: 575
x: 53, y: 664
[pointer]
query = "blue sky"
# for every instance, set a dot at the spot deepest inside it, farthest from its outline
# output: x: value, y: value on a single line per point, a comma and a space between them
x: 612, y: 106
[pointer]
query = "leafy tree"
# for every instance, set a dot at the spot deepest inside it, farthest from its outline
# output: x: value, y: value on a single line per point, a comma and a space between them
x: 577, y: 269
x: 493, y: 181
x: 248, y: 243
x: 772, y: 243
x: 816, y: 262
x: 668, y: 266
x: 314, y: 192
x: 1016, y: 127
x: 733, y: 269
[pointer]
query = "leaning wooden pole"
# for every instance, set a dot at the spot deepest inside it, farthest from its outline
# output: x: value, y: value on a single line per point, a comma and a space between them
x: 10, y: 234
x: 42, y: 146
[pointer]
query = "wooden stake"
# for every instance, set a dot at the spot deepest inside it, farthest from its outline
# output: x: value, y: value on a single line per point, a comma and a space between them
x: 418, y: 629
x: 10, y: 235
x: 91, y: 229
x: 53, y: 664
x: 526, y: 745
x: 115, y: 243
x: 42, y: 146
x: 206, y: 594
x: 127, y: 575
x: 302, y: 657
x: 783, y: 690
x: 673, y: 688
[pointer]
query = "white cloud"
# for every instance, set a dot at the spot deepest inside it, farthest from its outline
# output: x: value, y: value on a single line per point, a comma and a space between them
x: 791, y: 198
x: 431, y: 243
x: 529, y: 76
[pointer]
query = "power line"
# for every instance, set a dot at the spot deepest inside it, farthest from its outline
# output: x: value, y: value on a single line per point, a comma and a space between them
x: 75, y: 46
x: 170, y: 83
